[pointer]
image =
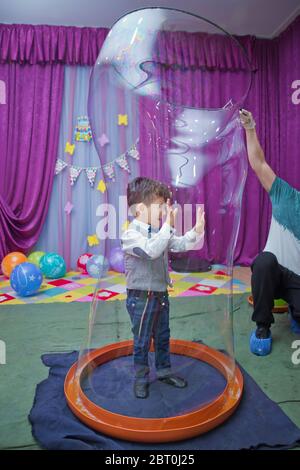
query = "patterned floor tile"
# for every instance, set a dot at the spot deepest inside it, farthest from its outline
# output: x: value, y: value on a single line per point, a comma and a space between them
x: 77, y: 287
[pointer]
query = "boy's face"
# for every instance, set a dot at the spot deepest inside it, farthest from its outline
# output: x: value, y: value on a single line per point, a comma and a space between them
x: 153, y: 213
x: 156, y: 212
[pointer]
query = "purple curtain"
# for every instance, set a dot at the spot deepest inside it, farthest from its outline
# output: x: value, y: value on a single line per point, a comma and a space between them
x: 288, y: 164
x: 31, y: 70
x: 275, y: 65
x: 195, y: 50
x: 32, y: 62
x: 68, y: 45
x: 202, y: 89
x: 29, y: 125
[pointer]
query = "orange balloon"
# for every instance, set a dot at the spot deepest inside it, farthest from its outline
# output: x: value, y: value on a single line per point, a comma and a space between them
x: 11, y: 260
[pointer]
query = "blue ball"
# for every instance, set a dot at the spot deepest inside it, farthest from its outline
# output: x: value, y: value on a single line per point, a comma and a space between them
x: 26, y: 279
x: 97, y: 266
x: 53, y: 266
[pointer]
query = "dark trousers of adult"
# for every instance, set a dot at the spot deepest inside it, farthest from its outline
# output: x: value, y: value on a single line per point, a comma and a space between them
x: 272, y: 281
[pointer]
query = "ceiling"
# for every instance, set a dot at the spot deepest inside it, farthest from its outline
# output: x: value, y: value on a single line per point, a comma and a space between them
x: 262, y: 18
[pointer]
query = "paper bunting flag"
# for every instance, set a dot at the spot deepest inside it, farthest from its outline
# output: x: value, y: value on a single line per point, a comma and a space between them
x: 101, y: 186
x: 69, y: 148
x: 60, y: 165
x: 122, y: 120
x: 133, y: 153
x: 93, y: 240
x: 123, y: 163
x: 109, y: 170
x: 74, y: 173
x: 91, y: 174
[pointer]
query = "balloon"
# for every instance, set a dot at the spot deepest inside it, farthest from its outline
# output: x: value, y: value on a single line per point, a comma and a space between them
x: 97, y: 266
x: 81, y: 262
x: 11, y: 261
x: 53, y: 266
x: 116, y: 260
x: 26, y: 279
x: 35, y: 257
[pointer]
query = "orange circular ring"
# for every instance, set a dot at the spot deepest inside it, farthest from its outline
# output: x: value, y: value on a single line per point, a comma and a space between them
x: 174, y: 428
x: 278, y: 309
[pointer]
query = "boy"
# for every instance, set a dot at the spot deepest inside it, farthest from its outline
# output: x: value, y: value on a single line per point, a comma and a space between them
x: 146, y: 243
x: 275, y: 271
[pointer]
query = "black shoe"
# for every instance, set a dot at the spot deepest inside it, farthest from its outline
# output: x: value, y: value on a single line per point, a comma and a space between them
x: 174, y: 381
x: 141, y: 389
x: 262, y: 332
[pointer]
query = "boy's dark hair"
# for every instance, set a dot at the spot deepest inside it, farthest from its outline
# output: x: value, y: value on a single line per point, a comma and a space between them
x: 145, y: 190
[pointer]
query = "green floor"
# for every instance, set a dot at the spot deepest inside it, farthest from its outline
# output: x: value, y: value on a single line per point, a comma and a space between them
x: 31, y: 330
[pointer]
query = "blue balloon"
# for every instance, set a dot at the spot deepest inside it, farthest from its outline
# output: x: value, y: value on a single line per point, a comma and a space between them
x: 53, y: 266
x: 97, y: 266
x: 26, y: 279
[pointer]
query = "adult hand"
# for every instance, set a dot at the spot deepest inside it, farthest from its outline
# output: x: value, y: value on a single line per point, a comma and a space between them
x: 247, y: 119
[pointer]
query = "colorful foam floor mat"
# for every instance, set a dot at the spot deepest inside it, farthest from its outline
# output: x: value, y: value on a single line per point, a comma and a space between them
x: 77, y: 287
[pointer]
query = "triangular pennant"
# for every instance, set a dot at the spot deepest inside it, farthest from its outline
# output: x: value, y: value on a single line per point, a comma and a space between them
x: 74, y: 173
x: 91, y: 174
x: 59, y: 166
x: 123, y: 163
x: 109, y: 171
x: 133, y: 153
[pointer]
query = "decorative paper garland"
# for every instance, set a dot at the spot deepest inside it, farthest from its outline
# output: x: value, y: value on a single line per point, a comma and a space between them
x: 91, y: 171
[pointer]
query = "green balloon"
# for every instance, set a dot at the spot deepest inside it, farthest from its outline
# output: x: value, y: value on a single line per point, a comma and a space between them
x: 35, y: 257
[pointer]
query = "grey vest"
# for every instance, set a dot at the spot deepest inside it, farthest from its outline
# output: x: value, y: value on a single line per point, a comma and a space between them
x: 147, y: 274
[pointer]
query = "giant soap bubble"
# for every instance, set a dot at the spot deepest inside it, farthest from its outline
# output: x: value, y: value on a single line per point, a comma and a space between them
x: 164, y: 106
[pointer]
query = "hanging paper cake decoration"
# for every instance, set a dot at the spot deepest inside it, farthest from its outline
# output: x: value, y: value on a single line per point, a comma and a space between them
x: 83, y: 132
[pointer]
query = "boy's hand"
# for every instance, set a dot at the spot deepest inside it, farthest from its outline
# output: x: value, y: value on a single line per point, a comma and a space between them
x: 200, y: 221
x: 171, y: 214
x: 246, y: 119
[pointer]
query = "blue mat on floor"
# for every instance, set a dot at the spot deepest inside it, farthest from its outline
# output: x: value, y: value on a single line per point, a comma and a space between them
x: 257, y: 423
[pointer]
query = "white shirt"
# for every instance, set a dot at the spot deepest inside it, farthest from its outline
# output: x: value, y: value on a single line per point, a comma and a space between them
x: 146, y: 254
x: 135, y: 240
